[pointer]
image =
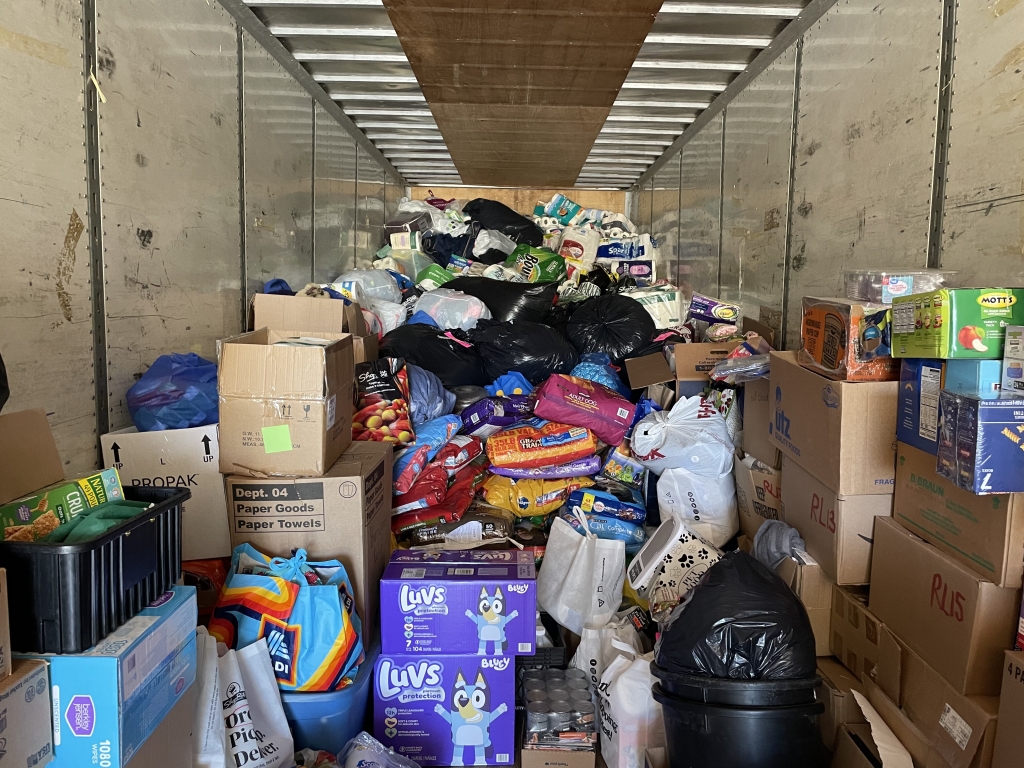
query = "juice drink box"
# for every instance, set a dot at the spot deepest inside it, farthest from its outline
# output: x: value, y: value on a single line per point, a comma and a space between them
x: 847, y: 340
x: 446, y: 710
x: 36, y: 515
x: 965, y: 323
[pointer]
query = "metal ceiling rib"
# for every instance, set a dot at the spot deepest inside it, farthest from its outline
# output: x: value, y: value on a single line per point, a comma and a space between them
x: 690, y: 56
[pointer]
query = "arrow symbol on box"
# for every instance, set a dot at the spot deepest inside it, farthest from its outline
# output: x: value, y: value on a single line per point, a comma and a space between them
x: 117, y: 453
x: 206, y: 442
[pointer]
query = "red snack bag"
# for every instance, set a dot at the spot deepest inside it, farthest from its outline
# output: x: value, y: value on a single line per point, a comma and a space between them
x: 457, y: 453
x: 382, y: 402
x: 429, y: 489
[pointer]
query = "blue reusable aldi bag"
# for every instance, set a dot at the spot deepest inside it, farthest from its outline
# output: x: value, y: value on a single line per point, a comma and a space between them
x: 305, y: 610
x: 177, y: 392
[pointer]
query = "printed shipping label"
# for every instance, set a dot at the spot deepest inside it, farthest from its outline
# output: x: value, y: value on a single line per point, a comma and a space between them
x: 955, y: 726
x: 928, y: 415
x: 277, y: 507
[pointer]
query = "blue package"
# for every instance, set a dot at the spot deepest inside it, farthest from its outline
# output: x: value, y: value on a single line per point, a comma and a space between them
x: 597, y: 367
x: 445, y: 709
x: 917, y: 405
x: 627, y: 505
x: 981, y: 443
x: 623, y: 249
x: 611, y: 528
x: 980, y: 378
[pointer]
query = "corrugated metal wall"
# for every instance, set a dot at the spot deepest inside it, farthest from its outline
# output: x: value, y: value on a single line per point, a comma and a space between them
x: 208, y: 180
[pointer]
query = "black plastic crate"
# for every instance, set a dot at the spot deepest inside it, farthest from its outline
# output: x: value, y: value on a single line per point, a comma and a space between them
x: 65, y: 598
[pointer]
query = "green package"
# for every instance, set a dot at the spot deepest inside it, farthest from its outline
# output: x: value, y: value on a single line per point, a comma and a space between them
x: 434, y: 276
x: 962, y: 323
x: 536, y: 265
x: 35, y: 516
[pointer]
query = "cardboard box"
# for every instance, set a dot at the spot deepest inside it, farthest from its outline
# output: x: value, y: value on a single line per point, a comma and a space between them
x: 836, y: 529
x: 1009, y: 744
x: 955, y: 322
x: 908, y: 734
x: 5, y: 627
x: 958, y: 622
x: 692, y: 362
x: 841, y: 432
x: 854, y: 748
x: 758, y: 493
x: 985, y: 533
x: 854, y: 631
x: 1012, y: 374
x: 28, y: 454
x: 163, y: 749
x: 960, y: 729
x: 295, y: 313
x: 413, y: 708
x: 981, y: 443
x: 979, y: 378
x: 25, y: 715
x: 484, y: 606
x: 558, y: 758
x: 284, y: 410
x: 107, y: 701
x: 918, y: 407
x: 814, y: 588
x: 756, y: 416
x: 847, y: 340
x: 178, y: 458
x: 345, y: 515
x: 836, y: 693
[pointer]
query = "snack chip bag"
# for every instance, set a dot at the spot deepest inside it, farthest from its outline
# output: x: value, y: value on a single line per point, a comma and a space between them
x: 382, y: 405
x: 585, y: 403
x: 539, y: 443
x: 527, y: 498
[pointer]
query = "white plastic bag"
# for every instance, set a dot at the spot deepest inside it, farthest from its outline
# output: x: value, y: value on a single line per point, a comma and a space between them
x: 692, y: 435
x: 256, y: 731
x: 373, y: 284
x: 453, y: 309
x: 386, y: 314
x: 631, y: 720
x: 448, y: 222
x: 595, y: 651
x: 491, y: 238
x: 705, y: 503
x: 580, y: 584
x: 207, y: 727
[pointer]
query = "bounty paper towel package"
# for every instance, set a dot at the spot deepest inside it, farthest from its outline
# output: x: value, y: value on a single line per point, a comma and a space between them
x: 480, y: 607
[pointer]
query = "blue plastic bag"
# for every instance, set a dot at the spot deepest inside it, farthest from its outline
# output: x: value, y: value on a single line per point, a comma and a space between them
x: 597, y: 367
x: 177, y: 392
x: 427, y: 395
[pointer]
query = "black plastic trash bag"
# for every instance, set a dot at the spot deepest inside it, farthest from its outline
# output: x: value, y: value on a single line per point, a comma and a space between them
x: 532, y: 349
x: 742, y: 622
x: 494, y: 215
x: 511, y: 301
x: 454, y: 361
x: 5, y: 391
x: 616, y: 325
x: 466, y: 396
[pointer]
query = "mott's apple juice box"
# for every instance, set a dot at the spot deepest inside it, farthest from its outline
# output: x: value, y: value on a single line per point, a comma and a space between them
x: 34, y: 516
x: 955, y: 322
x: 478, y: 603
x: 446, y: 710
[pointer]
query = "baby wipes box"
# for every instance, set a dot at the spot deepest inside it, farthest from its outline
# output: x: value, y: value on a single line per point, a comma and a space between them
x: 484, y: 607
x: 446, y: 710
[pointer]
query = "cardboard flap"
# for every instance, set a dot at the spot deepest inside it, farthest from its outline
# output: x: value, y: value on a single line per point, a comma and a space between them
x: 647, y: 370
x: 909, y: 735
x: 890, y: 751
x: 28, y: 454
x: 291, y: 313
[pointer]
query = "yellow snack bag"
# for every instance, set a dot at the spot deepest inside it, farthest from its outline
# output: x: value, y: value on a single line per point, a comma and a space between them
x: 530, y: 497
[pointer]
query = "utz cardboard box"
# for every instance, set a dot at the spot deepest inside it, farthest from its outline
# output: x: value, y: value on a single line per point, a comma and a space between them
x: 981, y: 443
x: 985, y: 533
x: 446, y: 710
x: 918, y: 407
x: 973, y: 377
x: 108, y: 700
x: 955, y: 322
x: 1012, y: 374
x: 432, y: 606
x: 837, y: 529
x: 841, y: 432
x: 284, y: 410
x: 178, y: 458
x: 303, y: 313
x: 846, y: 339
x: 756, y: 416
x: 836, y: 693
x: 814, y: 588
x: 25, y: 715
x: 344, y: 515
x: 957, y: 621
x: 854, y: 632
x: 758, y: 493
x: 1009, y: 744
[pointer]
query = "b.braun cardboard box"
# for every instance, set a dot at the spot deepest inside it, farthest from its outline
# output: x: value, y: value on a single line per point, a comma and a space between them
x: 1009, y: 745
x: 837, y: 529
x: 107, y: 701
x: 836, y: 693
x: 854, y: 631
x: 469, y: 607
x: 957, y: 621
x: 284, y: 409
x: 178, y: 458
x: 981, y: 443
x: 294, y: 313
x: 344, y: 515
x: 841, y: 432
x: 918, y: 408
x: 985, y: 533
x: 758, y: 493
x: 446, y: 710
x: 25, y: 715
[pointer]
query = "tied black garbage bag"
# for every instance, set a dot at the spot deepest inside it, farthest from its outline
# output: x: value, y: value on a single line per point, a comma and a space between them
x: 444, y: 353
x: 5, y: 391
x: 616, y: 325
x: 741, y: 622
x: 494, y: 215
x: 535, y: 350
x: 510, y: 301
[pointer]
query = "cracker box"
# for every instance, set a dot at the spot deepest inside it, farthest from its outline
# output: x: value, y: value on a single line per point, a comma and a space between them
x: 37, y: 514
x: 918, y: 406
x: 981, y: 443
x: 955, y: 323
x: 482, y: 607
x: 446, y: 710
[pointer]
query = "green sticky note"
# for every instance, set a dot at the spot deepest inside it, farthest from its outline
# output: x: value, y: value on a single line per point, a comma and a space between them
x: 277, y: 439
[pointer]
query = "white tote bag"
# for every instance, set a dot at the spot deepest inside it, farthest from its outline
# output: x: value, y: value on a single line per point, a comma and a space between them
x: 256, y: 734
x: 631, y: 720
x: 580, y: 584
x: 207, y: 726
x: 595, y: 651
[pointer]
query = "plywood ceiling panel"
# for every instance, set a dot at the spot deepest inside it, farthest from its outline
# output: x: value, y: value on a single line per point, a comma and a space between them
x: 520, y: 90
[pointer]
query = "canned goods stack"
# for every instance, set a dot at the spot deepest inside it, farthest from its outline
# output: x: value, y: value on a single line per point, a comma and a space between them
x: 560, y: 710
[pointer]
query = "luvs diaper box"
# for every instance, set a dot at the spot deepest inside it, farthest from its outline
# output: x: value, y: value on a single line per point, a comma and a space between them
x: 481, y: 603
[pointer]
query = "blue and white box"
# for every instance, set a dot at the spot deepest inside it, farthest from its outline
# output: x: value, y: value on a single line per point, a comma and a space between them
x: 981, y: 443
x: 979, y: 378
x: 917, y: 406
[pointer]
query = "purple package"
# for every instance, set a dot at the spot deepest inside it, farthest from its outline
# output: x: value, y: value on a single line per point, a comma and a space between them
x: 585, y: 403
x: 712, y: 310
x: 578, y: 468
x: 492, y: 414
x: 475, y: 606
x: 446, y: 710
